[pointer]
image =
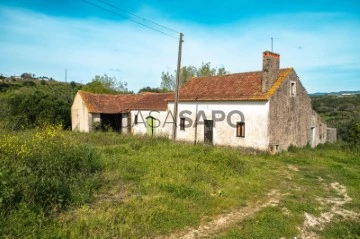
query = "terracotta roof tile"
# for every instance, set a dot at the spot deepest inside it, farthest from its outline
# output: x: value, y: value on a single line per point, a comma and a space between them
x: 240, y: 86
x: 152, y: 101
x: 111, y: 104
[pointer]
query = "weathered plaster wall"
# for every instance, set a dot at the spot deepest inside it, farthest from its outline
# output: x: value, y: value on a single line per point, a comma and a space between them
x: 124, y: 124
x: 81, y: 119
x: 256, y: 122
x: 290, y: 116
x: 318, y: 132
x: 96, y: 117
x: 163, y: 126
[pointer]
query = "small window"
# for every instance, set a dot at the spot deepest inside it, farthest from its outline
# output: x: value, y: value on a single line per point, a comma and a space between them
x: 292, y: 88
x: 136, y: 119
x: 240, y: 129
x: 182, y: 123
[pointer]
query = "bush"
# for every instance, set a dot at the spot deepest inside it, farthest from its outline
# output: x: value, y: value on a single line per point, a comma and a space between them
x: 354, y: 132
x: 30, y: 107
x: 45, y: 171
x: 29, y: 83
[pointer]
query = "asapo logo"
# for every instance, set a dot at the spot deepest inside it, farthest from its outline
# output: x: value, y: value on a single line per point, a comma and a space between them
x: 190, y: 121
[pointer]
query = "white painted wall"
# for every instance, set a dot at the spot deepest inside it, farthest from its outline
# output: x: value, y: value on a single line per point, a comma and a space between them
x: 81, y: 119
x: 255, y: 114
x: 96, y: 117
x: 124, y: 124
x: 162, y: 129
x: 256, y: 123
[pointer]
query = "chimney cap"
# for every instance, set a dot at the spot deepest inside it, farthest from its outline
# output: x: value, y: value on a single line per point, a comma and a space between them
x: 271, y: 54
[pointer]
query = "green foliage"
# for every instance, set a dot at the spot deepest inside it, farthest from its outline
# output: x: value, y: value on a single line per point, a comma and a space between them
x: 342, y: 230
x: 73, y: 84
x: 168, y: 81
x: 27, y: 75
x: 187, y: 72
x: 205, y: 70
x: 354, y: 133
x: 96, y: 126
x: 34, y: 107
x: 221, y: 71
x: 31, y: 103
x: 338, y: 112
x: 150, y: 89
x: 106, y: 85
x: 269, y: 223
x: 28, y: 83
x: 42, y: 172
x: 150, y: 187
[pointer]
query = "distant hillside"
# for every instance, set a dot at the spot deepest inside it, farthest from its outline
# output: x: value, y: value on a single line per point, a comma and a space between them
x: 336, y: 93
x: 338, y: 110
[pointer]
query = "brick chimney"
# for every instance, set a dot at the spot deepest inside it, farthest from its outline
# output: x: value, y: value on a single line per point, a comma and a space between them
x: 270, y: 71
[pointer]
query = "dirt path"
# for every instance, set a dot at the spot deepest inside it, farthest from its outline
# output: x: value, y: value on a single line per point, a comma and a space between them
x: 226, y: 221
x: 312, y: 223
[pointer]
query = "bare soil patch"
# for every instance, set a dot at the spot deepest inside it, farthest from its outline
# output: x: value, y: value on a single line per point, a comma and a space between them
x: 313, y: 223
x: 226, y: 221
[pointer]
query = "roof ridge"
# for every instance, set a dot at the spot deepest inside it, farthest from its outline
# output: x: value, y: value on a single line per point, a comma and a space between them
x: 231, y: 74
x: 120, y: 94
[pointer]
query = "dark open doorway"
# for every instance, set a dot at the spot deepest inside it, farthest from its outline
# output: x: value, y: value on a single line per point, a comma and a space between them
x: 208, y: 131
x: 111, y: 122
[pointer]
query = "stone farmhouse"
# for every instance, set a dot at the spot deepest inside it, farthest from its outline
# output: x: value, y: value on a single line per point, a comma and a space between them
x: 266, y: 110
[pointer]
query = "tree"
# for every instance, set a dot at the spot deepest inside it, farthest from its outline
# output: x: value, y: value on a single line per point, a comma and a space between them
x: 149, y: 89
x: 167, y: 81
x: 106, y: 85
x: 29, y: 83
x: 187, y: 72
x: 73, y: 84
x: 29, y: 107
x: 27, y: 75
x: 354, y: 132
x: 221, y: 71
x: 205, y: 70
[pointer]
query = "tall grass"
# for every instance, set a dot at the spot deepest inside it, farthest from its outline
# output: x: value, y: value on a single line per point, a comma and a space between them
x: 150, y: 186
x: 42, y: 172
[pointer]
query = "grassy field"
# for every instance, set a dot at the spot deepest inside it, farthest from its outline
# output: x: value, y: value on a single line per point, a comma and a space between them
x: 152, y: 188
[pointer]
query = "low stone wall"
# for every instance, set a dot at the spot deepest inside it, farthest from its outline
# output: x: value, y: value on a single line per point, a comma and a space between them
x: 331, y: 135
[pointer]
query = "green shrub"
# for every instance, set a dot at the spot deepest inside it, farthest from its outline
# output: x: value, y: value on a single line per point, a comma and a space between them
x: 29, y: 83
x: 45, y: 171
x: 354, y: 132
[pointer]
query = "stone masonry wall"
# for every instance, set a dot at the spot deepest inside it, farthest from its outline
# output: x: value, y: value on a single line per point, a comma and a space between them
x: 289, y: 115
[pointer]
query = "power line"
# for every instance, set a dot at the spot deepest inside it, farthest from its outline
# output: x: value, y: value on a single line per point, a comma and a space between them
x: 144, y: 19
x: 98, y: 6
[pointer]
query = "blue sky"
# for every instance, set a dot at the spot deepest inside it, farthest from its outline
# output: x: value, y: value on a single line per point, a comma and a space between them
x: 320, y: 39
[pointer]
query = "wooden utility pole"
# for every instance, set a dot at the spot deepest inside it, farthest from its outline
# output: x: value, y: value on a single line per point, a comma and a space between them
x: 177, y: 87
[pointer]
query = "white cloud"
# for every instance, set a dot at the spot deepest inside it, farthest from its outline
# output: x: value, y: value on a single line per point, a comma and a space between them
x: 47, y: 45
